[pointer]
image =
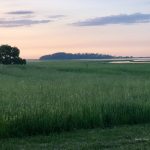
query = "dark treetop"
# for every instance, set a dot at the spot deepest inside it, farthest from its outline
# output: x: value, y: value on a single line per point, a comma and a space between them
x: 10, y: 55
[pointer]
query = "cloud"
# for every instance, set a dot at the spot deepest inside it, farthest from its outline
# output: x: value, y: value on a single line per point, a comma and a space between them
x: 116, y: 19
x: 25, y: 18
x: 56, y: 16
x: 20, y: 12
x: 21, y: 22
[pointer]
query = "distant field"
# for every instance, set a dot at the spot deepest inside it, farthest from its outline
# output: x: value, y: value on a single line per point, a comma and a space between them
x: 47, y: 97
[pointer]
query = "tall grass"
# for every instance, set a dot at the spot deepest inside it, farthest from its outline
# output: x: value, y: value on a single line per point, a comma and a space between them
x: 46, y: 97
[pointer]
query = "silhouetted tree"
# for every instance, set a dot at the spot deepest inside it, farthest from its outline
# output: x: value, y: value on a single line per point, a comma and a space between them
x: 10, y: 55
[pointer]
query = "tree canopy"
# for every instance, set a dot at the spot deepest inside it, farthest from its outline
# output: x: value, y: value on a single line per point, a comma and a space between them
x: 10, y: 55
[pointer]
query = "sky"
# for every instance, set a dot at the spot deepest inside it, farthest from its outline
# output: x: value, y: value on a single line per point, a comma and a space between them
x: 41, y: 27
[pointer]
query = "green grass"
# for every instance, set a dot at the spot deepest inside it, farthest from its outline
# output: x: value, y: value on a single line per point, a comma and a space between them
x: 46, y: 97
x: 117, y: 138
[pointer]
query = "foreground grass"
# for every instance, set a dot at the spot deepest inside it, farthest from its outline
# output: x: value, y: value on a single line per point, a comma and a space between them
x: 47, y: 97
x: 120, y: 138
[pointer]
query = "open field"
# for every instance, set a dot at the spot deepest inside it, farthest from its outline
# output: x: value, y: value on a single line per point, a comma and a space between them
x: 135, y: 137
x: 46, y: 97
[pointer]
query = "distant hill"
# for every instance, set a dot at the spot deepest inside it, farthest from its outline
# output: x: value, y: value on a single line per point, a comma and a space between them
x: 67, y: 56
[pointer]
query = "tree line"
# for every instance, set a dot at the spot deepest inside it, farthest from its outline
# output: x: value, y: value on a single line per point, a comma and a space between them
x: 62, y: 55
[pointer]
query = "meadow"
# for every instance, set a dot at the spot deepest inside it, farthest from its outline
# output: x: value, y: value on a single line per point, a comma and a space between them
x: 46, y: 97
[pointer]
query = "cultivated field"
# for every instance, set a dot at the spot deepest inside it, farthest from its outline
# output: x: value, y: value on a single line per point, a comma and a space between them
x: 47, y: 97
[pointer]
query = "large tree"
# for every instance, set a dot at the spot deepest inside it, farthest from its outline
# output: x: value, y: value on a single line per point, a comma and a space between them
x: 10, y: 55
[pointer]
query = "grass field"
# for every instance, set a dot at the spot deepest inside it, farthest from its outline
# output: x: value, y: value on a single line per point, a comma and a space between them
x: 46, y: 97
x: 136, y: 137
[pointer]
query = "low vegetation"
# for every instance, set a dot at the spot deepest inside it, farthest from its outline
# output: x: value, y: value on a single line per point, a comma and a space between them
x: 136, y: 137
x: 47, y: 97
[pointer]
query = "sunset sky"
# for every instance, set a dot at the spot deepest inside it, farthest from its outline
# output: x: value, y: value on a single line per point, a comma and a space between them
x: 39, y: 27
